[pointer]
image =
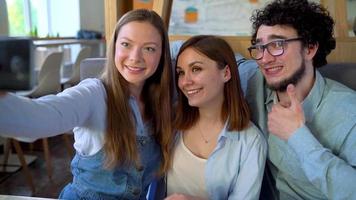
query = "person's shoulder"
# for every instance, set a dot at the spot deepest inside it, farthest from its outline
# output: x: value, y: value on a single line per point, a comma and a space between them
x: 250, y: 134
x: 92, y: 83
x: 248, y: 140
x: 95, y: 82
x: 253, y: 131
x: 339, y: 97
x: 337, y: 91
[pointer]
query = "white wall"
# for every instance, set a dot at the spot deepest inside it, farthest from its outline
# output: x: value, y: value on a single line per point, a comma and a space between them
x: 65, y: 15
x: 92, y: 15
x: 4, y: 24
x: 351, y: 14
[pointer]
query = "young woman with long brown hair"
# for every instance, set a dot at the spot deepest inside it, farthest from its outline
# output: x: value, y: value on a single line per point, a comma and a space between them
x: 122, y: 121
x: 219, y: 153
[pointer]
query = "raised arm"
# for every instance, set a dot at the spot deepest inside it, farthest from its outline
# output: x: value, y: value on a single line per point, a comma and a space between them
x: 49, y: 115
x: 333, y: 174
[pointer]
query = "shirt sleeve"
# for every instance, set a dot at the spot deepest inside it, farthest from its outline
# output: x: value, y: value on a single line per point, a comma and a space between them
x: 333, y: 175
x: 246, y: 68
x: 249, y: 180
x: 49, y: 115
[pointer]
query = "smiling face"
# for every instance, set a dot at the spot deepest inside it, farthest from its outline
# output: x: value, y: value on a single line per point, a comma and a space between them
x: 290, y: 67
x: 138, y: 50
x: 200, y: 79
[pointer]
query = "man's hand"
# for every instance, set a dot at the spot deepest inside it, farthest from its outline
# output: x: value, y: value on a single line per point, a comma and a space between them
x: 283, y: 121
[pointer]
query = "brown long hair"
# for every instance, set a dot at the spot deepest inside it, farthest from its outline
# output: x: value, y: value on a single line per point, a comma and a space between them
x: 234, y: 107
x: 120, y: 140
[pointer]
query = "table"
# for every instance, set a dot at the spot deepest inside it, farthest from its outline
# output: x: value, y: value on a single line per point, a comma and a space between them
x: 11, y: 197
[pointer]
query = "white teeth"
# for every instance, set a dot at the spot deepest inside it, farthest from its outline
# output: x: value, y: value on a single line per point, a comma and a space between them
x: 193, y: 91
x: 134, y: 68
x: 273, y: 69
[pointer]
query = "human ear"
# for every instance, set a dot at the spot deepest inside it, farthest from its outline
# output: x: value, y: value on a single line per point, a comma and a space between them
x: 226, y: 73
x: 311, y: 50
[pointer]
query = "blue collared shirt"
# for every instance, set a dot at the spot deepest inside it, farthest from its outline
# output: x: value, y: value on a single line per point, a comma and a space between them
x: 234, y: 170
x: 318, y: 161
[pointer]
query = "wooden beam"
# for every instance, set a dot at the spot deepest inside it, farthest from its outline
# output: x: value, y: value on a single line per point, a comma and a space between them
x: 111, y: 17
x: 163, y: 8
x: 338, y: 11
x: 114, y: 9
x: 344, y: 51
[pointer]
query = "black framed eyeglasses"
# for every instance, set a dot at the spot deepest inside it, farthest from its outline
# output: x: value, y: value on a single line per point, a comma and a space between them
x: 275, y: 48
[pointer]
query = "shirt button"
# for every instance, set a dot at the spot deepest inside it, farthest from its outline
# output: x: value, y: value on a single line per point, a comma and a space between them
x: 136, y: 191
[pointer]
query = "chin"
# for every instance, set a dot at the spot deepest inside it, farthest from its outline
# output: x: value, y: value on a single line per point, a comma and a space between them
x: 193, y: 104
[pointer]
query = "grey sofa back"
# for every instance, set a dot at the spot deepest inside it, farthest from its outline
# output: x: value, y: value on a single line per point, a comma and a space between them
x: 344, y: 73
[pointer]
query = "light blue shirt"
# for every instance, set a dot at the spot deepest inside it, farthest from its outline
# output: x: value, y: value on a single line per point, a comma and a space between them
x: 234, y: 170
x: 319, y: 159
x: 84, y: 108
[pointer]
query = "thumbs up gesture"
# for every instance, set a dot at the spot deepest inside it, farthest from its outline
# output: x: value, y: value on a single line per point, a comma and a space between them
x: 284, y: 120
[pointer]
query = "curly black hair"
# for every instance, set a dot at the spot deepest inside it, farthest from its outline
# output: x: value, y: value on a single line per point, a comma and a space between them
x: 312, y: 22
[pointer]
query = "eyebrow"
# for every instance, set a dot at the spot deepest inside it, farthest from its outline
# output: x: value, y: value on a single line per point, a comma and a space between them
x: 272, y: 37
x: 191, y: 64
x: 146, y: 43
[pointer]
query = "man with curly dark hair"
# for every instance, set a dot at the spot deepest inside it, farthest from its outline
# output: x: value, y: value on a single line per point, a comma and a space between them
x: 308, y: 120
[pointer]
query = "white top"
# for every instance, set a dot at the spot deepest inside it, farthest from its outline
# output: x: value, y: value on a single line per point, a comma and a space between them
x: 183, y: 178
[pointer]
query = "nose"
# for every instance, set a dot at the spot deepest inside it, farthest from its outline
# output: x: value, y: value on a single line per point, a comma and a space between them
x: 185, y: 79
x: 135, y: 54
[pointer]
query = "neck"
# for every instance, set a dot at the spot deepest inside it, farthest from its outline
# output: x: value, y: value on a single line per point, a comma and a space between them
x: 210, y: 117
x: 211, y: 113
x: 303, y: 88
x: 208, y: 128
x: 135, y: 91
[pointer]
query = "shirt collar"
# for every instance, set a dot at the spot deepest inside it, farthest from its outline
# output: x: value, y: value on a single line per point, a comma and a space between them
x: 226, y: 134
x: 223, y: 133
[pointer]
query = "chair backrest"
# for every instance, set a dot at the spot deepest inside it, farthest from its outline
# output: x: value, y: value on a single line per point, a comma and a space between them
x: 49, y: 76
x: 344, y: 73
x: 75, y: 77
x: 91, y: 67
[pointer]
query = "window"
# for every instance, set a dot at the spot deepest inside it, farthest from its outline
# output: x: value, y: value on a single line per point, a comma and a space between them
x: 16, y: 17
x: 43, y: 18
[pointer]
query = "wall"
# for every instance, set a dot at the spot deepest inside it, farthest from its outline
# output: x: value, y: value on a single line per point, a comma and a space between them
x: 4, y: 24
x: 351, y: 15
x: 64, y: 17
x: 92, y: 15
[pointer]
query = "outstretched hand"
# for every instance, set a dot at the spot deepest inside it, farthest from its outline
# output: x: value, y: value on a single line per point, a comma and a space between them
x: 284, y: 120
